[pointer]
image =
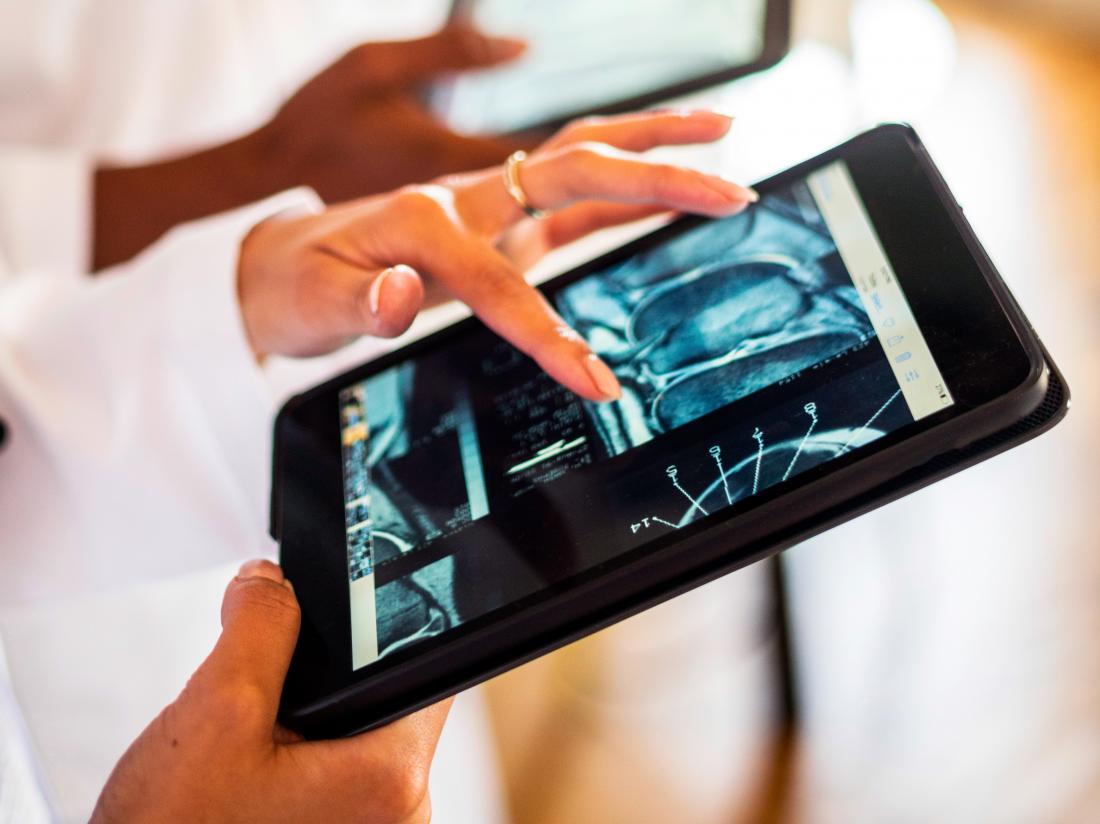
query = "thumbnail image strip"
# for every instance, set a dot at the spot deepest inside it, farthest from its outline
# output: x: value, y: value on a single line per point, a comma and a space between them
x: 354, y: 443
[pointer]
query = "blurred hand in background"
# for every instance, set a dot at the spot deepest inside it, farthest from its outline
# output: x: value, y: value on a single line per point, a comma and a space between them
x: 357, y: 128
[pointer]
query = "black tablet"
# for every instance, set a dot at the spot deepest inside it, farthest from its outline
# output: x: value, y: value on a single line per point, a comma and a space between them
x: 447, y: 511
x: 660, y: 49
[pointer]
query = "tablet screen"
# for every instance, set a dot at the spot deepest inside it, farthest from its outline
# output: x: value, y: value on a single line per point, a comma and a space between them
x: 750, y: 350
x: 574, y: 64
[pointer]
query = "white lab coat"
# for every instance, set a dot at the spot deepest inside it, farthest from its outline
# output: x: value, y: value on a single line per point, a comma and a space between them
x: 139, y: 423
x: 137, y: 420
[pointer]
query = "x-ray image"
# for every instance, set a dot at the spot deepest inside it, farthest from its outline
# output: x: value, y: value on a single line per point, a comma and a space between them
x: 715, y: 315
x: 416, y: 606
x: 410, y: 439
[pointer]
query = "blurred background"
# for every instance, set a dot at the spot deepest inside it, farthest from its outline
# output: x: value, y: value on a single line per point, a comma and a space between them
x: 943, y: 652
x: 937, y: 660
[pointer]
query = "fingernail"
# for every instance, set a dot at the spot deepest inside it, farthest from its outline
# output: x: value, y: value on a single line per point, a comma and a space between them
x: 260, y: 568
x: 501, y: 48
x: 374, y: 296
x: 710, y: 113
x: 733, y: 191
x: 603, y: 378
x: 687, y: 113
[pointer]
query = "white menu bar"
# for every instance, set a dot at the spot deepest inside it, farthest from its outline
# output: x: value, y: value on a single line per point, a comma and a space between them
x: 916, y: 372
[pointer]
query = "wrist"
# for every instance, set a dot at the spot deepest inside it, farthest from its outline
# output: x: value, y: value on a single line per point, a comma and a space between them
x: 265, y: 254
x: 272, y: 155
x: 250, y: 297
x: 260, y: 166
x: 246, y: 170
x: 135, y: 205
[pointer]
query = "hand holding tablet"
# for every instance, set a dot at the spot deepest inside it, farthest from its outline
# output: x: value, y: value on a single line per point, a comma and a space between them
x: 216, y: 753
x: 309, y: 283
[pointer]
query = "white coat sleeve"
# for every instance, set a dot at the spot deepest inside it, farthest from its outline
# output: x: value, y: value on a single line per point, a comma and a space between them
x: 132, y: 401
x: 45, y: 210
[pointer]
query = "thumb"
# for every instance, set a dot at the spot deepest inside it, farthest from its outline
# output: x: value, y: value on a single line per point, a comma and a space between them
x: 260, y: 620
x: 380, y: 303
x: 404, y: 63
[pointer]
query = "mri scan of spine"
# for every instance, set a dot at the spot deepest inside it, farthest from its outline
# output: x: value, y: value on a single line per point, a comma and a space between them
x: 715, y: 315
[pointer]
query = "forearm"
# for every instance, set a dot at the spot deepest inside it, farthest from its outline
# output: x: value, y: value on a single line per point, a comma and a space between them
x: 133, y: 206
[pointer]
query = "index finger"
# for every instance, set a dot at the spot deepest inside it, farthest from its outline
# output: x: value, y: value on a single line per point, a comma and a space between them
x: 482, y: 278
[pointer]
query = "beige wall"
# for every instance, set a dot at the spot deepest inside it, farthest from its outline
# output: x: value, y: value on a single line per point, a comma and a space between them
x: 1081, y: 15
x: 827, y: 20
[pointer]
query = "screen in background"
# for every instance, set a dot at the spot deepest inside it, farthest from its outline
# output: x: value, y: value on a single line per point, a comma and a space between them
x: 750, y: 349
x: 573, y: 65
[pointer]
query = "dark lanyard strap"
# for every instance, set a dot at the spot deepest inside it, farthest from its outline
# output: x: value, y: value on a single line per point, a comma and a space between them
x: 3, y: 432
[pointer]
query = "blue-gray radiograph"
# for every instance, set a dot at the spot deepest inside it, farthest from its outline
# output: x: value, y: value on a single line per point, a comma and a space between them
x: 398, y: 520
x: 715, y: 315
x: 416, y: 606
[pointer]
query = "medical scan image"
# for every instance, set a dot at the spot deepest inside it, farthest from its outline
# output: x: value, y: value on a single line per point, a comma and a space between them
x: 748, y: 353
x: 713, y: 316
x: 386, y: 518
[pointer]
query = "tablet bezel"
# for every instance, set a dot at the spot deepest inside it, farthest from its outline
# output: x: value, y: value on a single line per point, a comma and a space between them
x: 998, y: 339
x: 776, y: 44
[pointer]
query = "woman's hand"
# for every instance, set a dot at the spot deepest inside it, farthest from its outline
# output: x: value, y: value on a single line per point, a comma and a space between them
x: 309, y: 284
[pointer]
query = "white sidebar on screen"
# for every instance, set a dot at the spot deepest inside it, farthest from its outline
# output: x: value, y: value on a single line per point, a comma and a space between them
x: 364, y: 622
x: 916, y: 372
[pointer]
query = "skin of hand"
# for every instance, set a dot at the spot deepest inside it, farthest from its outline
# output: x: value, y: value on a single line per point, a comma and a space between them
x: 357, y: 128
x: 308, y: 284
x: 217, y: 754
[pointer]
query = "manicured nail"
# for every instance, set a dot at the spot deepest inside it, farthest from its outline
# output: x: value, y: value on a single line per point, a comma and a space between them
x: 711, y: 113
x: 502, y: 48
x: 260, y: 568
x: 603, y: 378
x: 374, y: 296
x: 732, y: 191
x: 685, y: 111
